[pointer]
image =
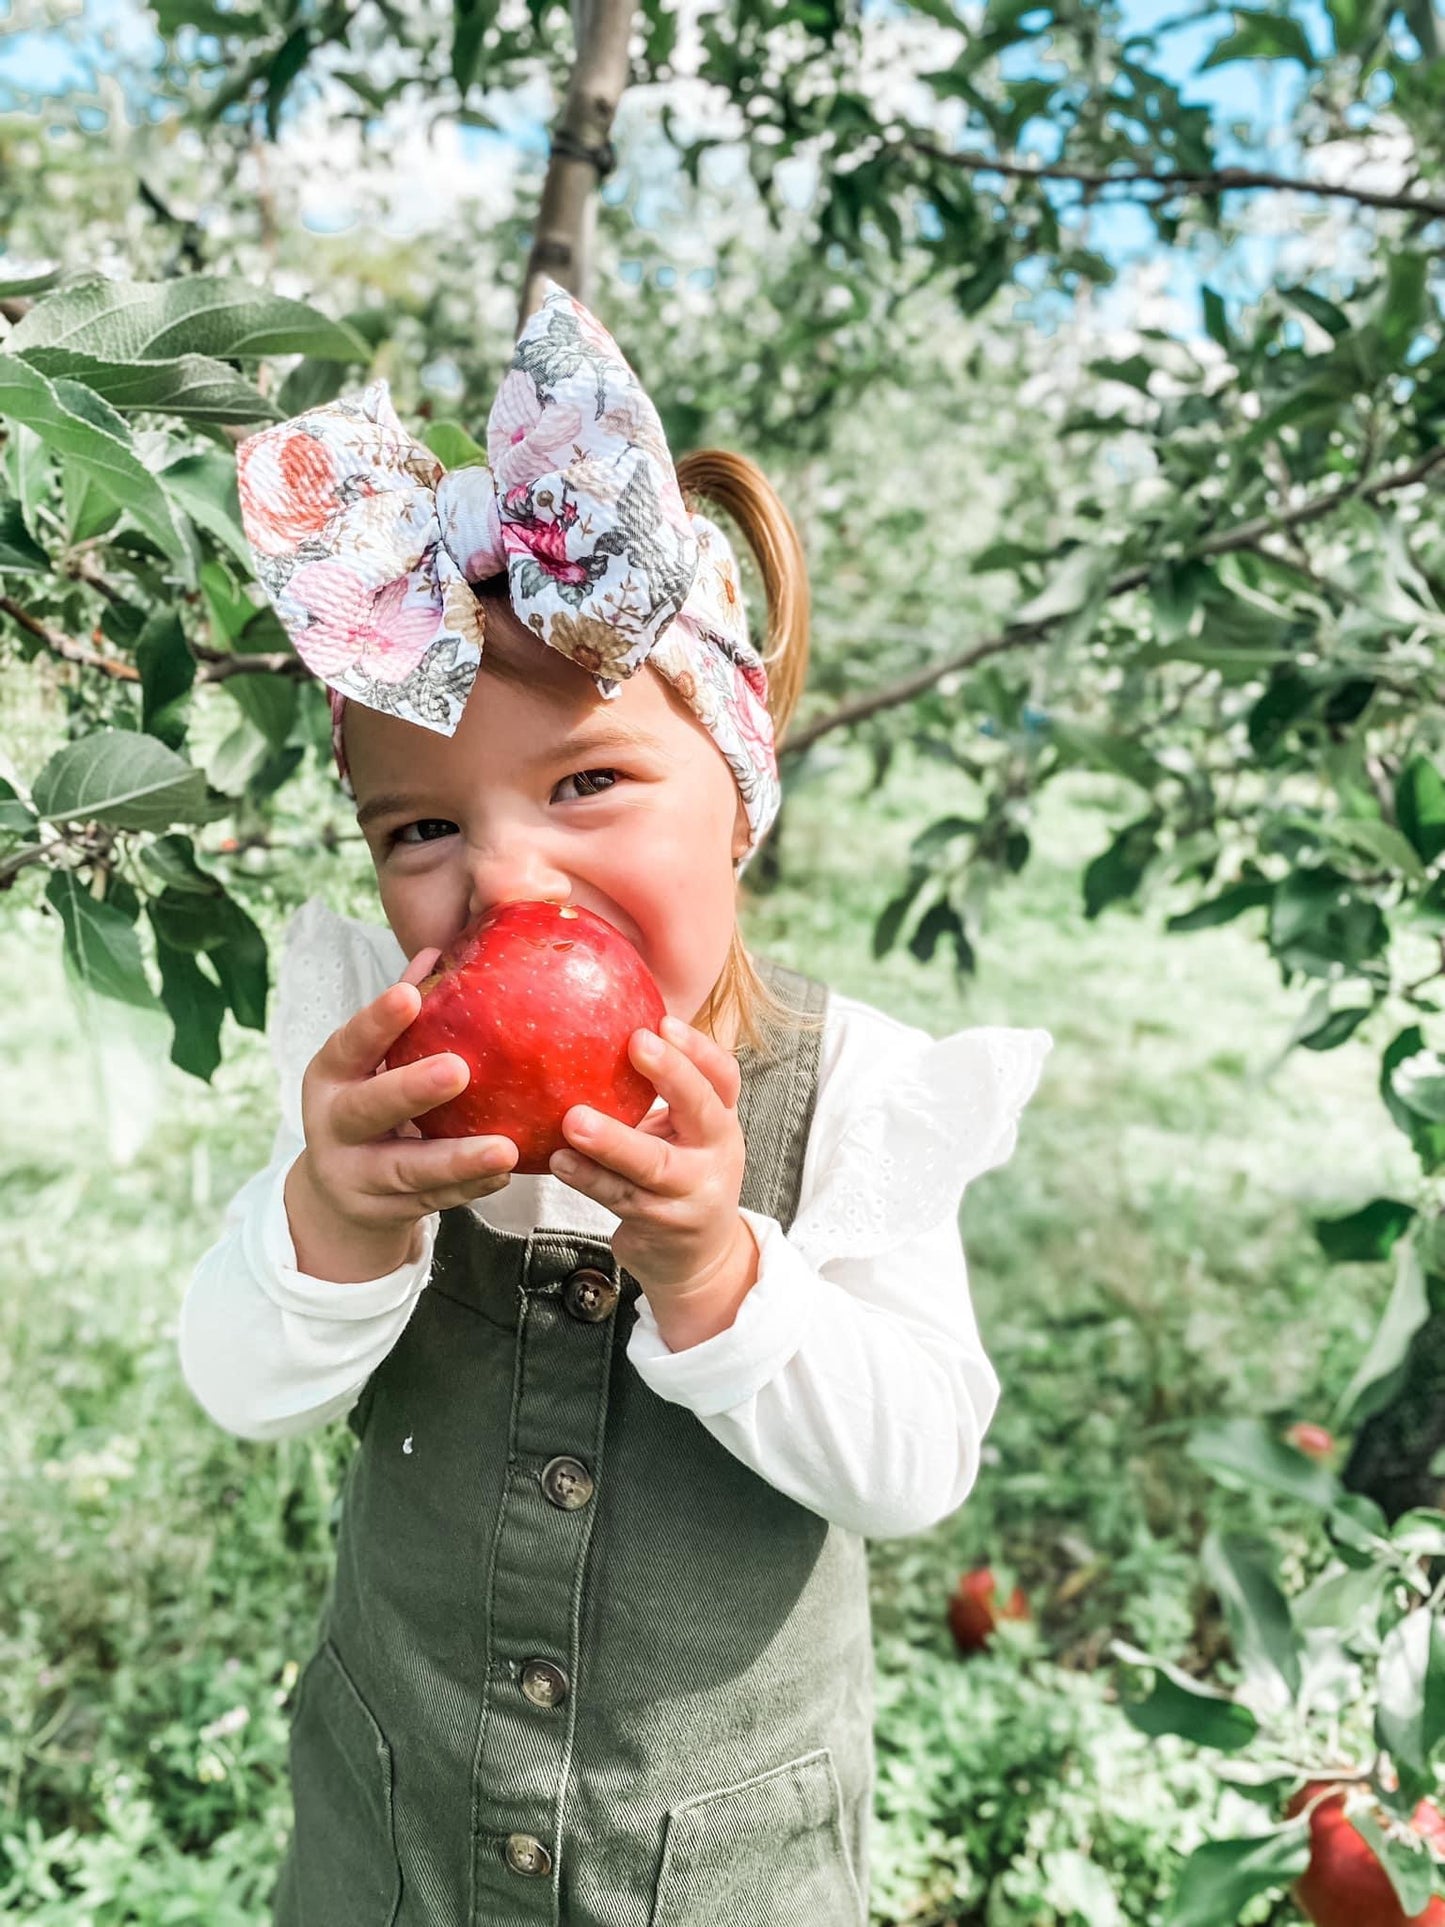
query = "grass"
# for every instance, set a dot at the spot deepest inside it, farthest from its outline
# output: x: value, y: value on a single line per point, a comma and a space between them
x: 1145, y: 1259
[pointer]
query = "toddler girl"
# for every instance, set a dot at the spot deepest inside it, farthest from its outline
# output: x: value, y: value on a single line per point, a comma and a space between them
x: 597, y: 1651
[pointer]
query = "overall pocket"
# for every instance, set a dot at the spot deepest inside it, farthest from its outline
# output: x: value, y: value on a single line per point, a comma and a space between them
x: 342, y: 1869
x: 769, y: 1852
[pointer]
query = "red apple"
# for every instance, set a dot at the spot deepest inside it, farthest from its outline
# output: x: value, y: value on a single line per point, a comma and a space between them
x: 974, y: 1609
x: 1315, y: 1441
x: 540, y: 999
x: 1344, y: 1884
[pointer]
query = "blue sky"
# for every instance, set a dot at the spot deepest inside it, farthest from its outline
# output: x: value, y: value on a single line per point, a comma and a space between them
x: 1257, y: 94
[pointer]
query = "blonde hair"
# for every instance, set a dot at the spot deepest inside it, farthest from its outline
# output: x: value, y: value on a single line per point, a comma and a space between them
x: 738, y: 488
x: 717, y: 478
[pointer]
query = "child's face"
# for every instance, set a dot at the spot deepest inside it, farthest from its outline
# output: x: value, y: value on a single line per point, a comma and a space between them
x: 506, y: 810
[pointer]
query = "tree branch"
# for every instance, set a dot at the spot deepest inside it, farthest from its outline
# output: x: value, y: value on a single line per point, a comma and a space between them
x: 1248, y: 535
x: 1208, y: 184
x: 216, y: 665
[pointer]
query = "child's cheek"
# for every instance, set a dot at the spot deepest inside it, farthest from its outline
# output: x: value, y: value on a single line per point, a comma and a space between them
x: 423, y: 909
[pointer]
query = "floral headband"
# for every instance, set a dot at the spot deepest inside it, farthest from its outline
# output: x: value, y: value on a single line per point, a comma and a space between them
x: 367, y: 547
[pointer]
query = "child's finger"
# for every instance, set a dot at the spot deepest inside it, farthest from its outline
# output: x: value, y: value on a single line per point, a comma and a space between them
x: 717, y: 1065
x: 358, y: 1046
x: 693, y: 1104
x: 425, y: 1167
x: 370, y: 1107
x: 420, y: 966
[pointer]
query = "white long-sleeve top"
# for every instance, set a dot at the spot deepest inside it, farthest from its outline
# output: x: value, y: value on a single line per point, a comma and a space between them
x: 853, y: 1377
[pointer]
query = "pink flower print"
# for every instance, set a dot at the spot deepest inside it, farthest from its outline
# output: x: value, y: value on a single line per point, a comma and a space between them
x: 527, y: 438
x: 356, y: 627
x: 287, y: 482
x: 750, y: 708
x: 546, y: 543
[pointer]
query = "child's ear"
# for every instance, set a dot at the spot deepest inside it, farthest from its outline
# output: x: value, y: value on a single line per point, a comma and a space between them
x: 742, y: 833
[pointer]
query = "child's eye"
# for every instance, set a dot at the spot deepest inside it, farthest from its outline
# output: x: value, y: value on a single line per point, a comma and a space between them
x: 428, y: 828
x: 585, y: 780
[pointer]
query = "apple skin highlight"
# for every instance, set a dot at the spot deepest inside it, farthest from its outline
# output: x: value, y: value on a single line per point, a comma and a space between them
x: 540, y: 1000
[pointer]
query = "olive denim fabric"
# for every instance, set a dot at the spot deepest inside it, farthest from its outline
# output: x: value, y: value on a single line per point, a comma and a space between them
x: 580, y: 1666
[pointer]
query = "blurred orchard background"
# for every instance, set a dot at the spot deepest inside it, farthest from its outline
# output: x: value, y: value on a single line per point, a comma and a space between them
x: 1097, y: 349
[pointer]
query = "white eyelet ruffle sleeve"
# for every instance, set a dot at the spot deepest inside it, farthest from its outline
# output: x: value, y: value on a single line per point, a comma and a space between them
x: 853, y: 1377
x: 925, y: 1117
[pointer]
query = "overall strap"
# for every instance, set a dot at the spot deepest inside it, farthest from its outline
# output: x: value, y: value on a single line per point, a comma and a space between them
x: 779, y: 1092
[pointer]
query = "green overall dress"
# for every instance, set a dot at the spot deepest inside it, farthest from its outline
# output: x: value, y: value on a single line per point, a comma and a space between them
x: 579, y: 1665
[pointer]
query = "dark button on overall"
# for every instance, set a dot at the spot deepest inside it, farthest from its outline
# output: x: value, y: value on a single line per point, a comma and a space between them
x: 544, y: 1683
x: 567, y: 1483
x: 524, y: 1853
x: 590, y: 1295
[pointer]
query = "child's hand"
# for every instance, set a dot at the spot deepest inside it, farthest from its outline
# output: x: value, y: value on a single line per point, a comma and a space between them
x: 367, y: 1176
x: 675, y: 1181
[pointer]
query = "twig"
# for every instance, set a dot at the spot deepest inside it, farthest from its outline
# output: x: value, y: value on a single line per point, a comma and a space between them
x: 216, y: 665
x: 63, y: 646
x: 1248, y: 535
x: 1209, y: 184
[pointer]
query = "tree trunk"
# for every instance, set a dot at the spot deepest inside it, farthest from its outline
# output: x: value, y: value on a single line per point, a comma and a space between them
x: 581, y: 152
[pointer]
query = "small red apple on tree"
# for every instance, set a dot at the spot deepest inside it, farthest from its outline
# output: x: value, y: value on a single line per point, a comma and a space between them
x: 1344, y: 1884
x: 1315, y: 1441
x: 541, y: 1000
x: 974, y: 1610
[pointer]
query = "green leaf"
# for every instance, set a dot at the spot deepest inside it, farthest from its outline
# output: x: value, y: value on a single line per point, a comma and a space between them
x: 1358, y: 24
x: 890, y: 918
x: 269, y: 701
x: 1216, y: 320
x: 193, y: 387
x: 213, y: 923
x: 1403, y: 304
x: 123, y: 778
x: 67, y: 422
x: 195, y: 1005
x: 1420, y: 1533
x: 1318, y: 922
x: 1222, y: 1877
x: 1414, y: 1095
x: 1116, y: 873
x: 1186, y: 1708
x: 89, y: 511
x: 1366, y: 1235
x: 1134, y: 371
x: 1261, y: 36
x: 1409, y: 1869
x: 1337, y: 1028
x: 1376, y: 839
x: 1107, y: 750
x: 16, y: 817
x: 453, y: 446
x: 205, y: 487
x: 20, y: 553
x: 167, y: 672
x: 29, y: 282
x: 1080, y: 575
x: 1240, y: 1571
x: 1410, y: 1714
x: 1404, y: 1314
x: 1323, y: 313
x: 102, y: 951
x: 1223, y: 908
x: 219, y: 316
x: 172, y: 860
x: 1249, y: 1449
x: 1420, y: 807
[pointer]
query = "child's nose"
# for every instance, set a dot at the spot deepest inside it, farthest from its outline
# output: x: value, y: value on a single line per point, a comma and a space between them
x: 520, y: 873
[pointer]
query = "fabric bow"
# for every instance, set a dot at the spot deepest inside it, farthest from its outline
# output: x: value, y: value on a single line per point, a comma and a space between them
x: 367, y: 547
